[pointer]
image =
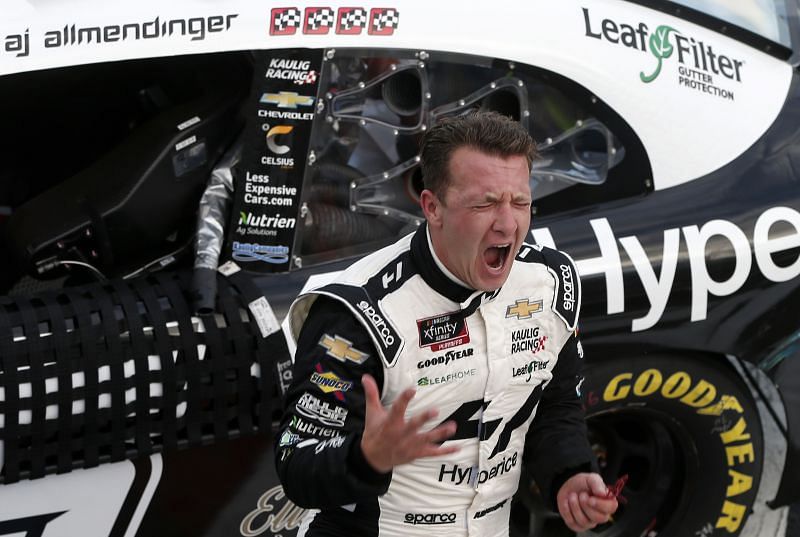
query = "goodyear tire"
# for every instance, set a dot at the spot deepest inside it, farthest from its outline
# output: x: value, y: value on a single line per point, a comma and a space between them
x: 687, y: 433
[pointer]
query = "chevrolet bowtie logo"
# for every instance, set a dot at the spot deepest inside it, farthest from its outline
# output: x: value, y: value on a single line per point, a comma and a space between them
x: 523, y: 308
x: 341, y: 349
x: 287, y: 99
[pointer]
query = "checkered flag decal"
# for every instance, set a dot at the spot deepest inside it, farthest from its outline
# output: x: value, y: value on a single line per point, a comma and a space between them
x: 290, y: 18
x: 322, y: 18
x: 356, y: 18
x: 386, y: 19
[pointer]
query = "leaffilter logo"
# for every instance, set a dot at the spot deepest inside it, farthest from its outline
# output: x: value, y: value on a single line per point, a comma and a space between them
x: 661, y: 48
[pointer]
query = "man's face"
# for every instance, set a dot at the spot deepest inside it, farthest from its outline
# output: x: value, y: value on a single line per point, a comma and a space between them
x: 479, y: 226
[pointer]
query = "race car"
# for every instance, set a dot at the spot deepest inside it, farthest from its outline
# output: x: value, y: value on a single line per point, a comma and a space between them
x: 175, y: 175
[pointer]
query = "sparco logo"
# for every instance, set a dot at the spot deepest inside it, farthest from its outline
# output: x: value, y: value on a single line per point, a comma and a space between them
x: 430, y: 518
x: 698, y: 62
x: 378, y: 322
x: 569, y: 292
x: 446, y: 358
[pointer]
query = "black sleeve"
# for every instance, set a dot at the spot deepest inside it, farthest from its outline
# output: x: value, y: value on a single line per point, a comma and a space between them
x: 556, y: 446
x: 318, y: 447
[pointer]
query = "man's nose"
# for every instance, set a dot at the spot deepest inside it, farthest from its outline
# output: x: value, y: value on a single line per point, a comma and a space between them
x: 504, y: 221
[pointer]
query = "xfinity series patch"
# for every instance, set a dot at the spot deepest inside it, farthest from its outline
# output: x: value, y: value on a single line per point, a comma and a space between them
x: 443, y: 331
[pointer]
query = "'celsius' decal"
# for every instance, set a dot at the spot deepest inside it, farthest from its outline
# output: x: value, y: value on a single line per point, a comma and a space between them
x: 658, y: 287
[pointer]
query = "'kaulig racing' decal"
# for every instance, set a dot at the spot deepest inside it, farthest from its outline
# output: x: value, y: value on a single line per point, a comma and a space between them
x: 658, y: 286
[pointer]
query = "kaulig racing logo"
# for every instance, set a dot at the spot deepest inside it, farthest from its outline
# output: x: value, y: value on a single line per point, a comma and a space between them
x: 699, y: 65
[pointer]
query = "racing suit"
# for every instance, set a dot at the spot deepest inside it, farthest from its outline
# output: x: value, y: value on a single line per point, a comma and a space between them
x: 504, y: 365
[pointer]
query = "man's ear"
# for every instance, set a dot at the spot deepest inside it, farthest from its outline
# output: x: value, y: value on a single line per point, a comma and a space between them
x: 431, y: 207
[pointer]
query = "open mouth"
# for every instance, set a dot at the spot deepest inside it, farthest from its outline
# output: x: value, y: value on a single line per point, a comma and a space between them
x: 495, y: 256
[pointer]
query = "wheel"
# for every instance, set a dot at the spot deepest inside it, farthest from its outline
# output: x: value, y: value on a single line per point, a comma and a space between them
x: 685, y: 430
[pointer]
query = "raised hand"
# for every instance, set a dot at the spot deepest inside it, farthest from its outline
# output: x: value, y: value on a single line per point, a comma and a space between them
x: 389, y: 439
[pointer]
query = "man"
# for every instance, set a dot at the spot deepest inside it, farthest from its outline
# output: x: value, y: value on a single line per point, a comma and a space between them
x: 428, y: 367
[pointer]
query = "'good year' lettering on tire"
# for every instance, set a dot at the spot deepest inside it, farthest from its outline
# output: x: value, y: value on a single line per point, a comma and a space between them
x: 713, y: 410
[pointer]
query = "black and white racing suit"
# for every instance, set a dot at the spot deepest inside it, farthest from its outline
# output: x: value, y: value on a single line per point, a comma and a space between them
x: 506, y: 366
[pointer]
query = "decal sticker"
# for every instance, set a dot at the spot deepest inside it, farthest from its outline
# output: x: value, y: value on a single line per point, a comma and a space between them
x: 285, y: 21
x: 274, y: 513
x: 342, y: 349
x: 523, y: 308
x: 658, y: 286
x: 699, y: 66
x: 286, y: 99
x: 351, y: 20
x: 383, y: 21
x: 319, y: 20
x: 98, y: 500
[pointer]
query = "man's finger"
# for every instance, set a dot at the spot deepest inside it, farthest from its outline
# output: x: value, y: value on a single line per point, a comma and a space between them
x: 594, y: 514
x: 371, y: 395
x: 608, y: 506
x: 398, y: 410
x: 580, y: 517
x: 433, y: 451
x: 421, y: 419
x: 566, y: 513
x: 441, y: 433
x: 596, y: 485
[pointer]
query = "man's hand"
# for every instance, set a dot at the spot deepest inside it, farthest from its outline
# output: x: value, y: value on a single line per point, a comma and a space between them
x: 389, y: 439
x: 583, y: 502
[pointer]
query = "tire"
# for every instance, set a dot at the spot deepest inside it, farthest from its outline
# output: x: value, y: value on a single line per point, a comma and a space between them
x: 687, y: 433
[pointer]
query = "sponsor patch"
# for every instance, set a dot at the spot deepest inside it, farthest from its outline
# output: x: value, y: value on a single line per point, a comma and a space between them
x: 529, y: 369
x: 322, y: 411
x: 288, y: 438
x: 342, y: 349
x: 524, y: 308
x: 443, y: 331
x: 429, y: 518
x: 488, y: 510
x: 311, y: 429
x: 446, y: 379
x: 446, y: 358
x: 329, y: 382
x: 527, y: 339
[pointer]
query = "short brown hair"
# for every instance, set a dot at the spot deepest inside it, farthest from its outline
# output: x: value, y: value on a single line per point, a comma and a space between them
x: 488, y: 132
